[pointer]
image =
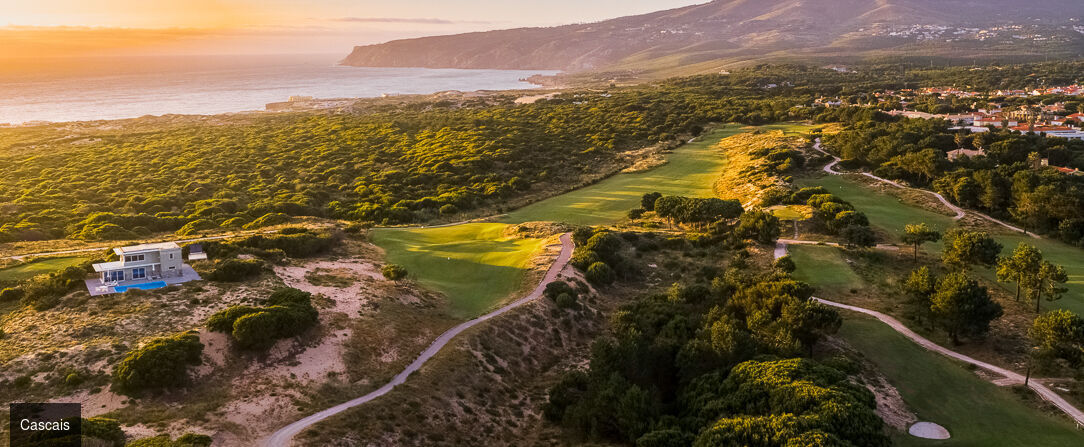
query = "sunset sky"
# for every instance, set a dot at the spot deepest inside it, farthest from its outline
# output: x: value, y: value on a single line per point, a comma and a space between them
x: 36, y: 28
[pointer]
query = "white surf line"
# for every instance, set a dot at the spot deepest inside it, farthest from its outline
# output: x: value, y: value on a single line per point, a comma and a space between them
x: 284, y: 436
x: 960, y: 212
x: 1009, y: 376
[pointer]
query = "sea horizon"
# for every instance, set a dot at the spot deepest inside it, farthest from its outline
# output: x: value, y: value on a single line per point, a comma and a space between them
x: 122, y: 87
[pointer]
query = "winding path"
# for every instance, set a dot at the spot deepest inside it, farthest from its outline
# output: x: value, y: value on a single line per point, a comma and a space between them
x: 1010, y: 377
x: 283, y: 436
x: 960, y: 212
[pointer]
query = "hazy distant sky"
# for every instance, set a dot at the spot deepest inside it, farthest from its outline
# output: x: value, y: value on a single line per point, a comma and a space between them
x: 90, y: 27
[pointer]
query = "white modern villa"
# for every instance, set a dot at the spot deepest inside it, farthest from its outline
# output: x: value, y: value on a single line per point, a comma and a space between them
x: 147, y: 266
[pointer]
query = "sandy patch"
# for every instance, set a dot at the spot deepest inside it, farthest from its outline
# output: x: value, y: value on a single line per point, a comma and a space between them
x: 928, y: 430
x: 94, y: 404
x: 347, y: 300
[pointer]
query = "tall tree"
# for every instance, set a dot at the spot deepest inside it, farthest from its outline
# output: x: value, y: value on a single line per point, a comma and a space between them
x: 918, y: 234
x: 963, y: 307
x: 1059, y: 334
x: 964, y: 248
x: 1022, y: 267
x: 1049, y: 283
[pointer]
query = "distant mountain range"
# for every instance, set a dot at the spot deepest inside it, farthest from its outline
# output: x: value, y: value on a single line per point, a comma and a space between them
x: 705, y: 37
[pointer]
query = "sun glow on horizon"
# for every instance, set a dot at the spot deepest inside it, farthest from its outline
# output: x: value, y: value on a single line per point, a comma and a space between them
x: 60, y: 28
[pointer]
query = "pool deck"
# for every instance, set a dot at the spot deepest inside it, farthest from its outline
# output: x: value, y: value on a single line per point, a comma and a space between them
x: 96, y: 288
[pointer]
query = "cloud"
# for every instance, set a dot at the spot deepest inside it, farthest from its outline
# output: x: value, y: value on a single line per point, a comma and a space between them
x: 422, y: 21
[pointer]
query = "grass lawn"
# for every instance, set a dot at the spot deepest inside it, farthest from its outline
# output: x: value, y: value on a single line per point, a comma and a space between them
x: 976, y: 412
x: 690, y: 170
x: 38, y: 267
x: 474, y: 264
x: 823, y: 267
x: 891, y: 215
x: 791, y: 212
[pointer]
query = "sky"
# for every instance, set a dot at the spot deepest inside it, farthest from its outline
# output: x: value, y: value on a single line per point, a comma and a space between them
x: 58, y: 28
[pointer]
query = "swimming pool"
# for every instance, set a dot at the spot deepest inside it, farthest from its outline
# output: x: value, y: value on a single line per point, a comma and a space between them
x: 144, y: 286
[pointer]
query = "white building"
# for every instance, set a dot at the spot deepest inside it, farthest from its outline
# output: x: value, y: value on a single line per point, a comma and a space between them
x: 146, y: 266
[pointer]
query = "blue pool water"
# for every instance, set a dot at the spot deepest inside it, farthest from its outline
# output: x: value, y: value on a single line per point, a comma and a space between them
x: 144, y: 286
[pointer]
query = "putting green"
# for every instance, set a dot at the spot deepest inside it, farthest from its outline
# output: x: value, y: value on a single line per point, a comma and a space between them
x: 975, y: 412
x: 891, y: 215
x: 39, y: 267
x: 475, y: 265
x: 824, y: 268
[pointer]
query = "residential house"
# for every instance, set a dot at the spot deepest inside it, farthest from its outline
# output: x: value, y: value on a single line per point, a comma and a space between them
x: 146, y: 266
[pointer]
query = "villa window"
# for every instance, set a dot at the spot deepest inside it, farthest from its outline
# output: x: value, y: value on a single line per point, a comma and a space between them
x: 117, y: 275
x: 135, y: 258
x: 139, y: 273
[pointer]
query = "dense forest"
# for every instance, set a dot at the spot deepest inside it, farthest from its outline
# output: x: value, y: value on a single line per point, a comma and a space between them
x: 1009, y: 181
x: 393, y: 167
x: 424, y: 161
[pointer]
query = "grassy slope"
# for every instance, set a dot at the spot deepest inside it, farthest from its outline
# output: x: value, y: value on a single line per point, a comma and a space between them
x: 824, y: 268
x: 475, y: 265
x: 690, y: 170
x: 34, y: 268
x: 976, y: 412
x: 891, y: 215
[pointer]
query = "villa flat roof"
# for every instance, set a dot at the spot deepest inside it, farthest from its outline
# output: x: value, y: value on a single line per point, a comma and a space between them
x: 146, y: 247
x: 108, y: 266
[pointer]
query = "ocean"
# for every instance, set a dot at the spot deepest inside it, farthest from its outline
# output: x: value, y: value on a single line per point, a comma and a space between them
x: 78, y: 89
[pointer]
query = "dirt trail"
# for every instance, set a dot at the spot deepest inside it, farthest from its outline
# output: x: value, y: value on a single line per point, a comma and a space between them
x: 284, y: 436
x: 1009, y: 377
x: 960, y: 212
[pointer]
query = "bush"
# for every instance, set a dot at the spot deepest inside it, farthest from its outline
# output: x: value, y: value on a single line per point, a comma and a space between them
x: 289, y: 313
x: 222, y: 321
x: 234, y: 270
x: 600, y: 273
x: 195, y: 227
x: 636, y: 213
x: 103, y: 429
x: 393, y: 272
x: 193, y: 440
x: 785, y: 264
x: 11, y: 294
x: 162, y: 363
x: 262, y: 329
x: 267, y: 220
x: 556, y: 288
x: 448, y: 210
x: 565, y: 301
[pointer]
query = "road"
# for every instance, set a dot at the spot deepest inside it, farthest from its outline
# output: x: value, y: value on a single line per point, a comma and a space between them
x: 283, y: 436
x: 960, y: 212
x: 1010, y: 378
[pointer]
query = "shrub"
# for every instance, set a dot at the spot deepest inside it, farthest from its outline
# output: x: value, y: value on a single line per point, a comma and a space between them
x: 267, y: 220
x: 289, y: 313
x: 196, y: 226
x: 260, y: 330
x: 222, y: 321
x: 103, y: 429
x: 556, y: 288
x: 236, y: 222
x: 785, y: 264
x: 11, y: 294
x: 234, y: 270
x: 393, y: 272
x: 636, y: 213
x: 565, y: 301
x: 600, y: 273
x: 448, y: 210
x: 193, y: 440
x: 162, y: 363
